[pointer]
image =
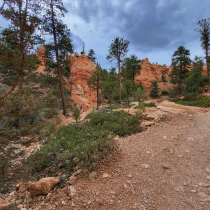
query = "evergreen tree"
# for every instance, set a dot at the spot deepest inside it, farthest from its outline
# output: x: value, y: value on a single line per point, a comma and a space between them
x: 195, y: 82
x: 130, y: 68
x: 164, y: 77
x: 91, y: 54
x: 53, y: 25
x: 204, y: 30
x: 95, y: 81
x: 140, y: 95
x: 76, y: 114
x: 154, y: 92
x: 181, y: 63
x: 19, y: 39
x: 110, y: 86
x: 117, y: 51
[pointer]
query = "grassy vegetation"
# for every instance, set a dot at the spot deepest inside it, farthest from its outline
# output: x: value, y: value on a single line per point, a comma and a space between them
x: 203, y: 101
x: 82, y: 145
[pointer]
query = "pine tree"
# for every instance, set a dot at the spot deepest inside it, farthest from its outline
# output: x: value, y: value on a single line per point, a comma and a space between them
x: 117, y: 51
x: 110, y: 87
x: 19, y: 38
x: 53, y: 25
x: 140, y: 95
x: 204, y: 30
x: 91, y: 56
x: 195, y: 82
x: 181, y: 63
x: 130, y: 68
x: 154, y: 92
x: 95, y: 81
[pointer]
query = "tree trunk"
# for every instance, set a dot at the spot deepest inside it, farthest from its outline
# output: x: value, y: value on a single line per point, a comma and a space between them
x: 97, y: 100
x: 207, y: 65
x: 119, y: 81
x: 58, y: 64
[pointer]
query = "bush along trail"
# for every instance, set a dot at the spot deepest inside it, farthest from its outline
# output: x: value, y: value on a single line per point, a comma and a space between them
x: 83, y: 166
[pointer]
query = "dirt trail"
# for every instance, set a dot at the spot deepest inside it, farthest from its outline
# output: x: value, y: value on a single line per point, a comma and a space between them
x: 165, y: 167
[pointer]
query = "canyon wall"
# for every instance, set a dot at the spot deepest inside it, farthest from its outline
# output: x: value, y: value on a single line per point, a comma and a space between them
x: 150, y: 72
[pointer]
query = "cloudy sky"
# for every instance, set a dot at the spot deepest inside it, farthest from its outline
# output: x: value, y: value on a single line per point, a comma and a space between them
x: 155, y: 28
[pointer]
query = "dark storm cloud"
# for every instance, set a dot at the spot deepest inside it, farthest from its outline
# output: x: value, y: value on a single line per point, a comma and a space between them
x: 148, y: 24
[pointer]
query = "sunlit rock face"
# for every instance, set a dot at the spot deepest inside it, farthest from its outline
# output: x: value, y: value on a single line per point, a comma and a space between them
x: 150, y: 72
x: 81, y: 67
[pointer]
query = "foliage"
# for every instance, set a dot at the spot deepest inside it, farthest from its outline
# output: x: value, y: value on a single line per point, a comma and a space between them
x: 154, y: 92
x: 117, y: 51
x: 140, y: 95
x: 151, y: 104
x: 164, y: 77
x: 91, y: 54
x: 18, y: 40
x: 128, y: 86
x: 118, y: 122
x: 95, y: 81
x: 181, y: 63
x: 130, y: 68
x: 78, y: 145
x: 164, y: 93
x: 204, y: 31
x: 76, y: 114
x: 203, y: 101
x: 110, y: 87
x: 56, y: 52
x: 10, y: 207
x: 195, y: 83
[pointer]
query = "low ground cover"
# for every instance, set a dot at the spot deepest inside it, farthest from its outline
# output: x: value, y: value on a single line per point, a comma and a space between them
x: 202, y: 101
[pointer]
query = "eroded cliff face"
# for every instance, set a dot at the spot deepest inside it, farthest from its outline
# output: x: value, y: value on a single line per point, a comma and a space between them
x: 81, y: 67
x: 150, y: 72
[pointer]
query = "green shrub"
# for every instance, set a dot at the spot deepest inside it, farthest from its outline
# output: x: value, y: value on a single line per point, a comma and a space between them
x: 118, y: 122
x: 73, y: 145
x: 203, y: 101
x: 164, y: 93
x: 154, y: 92
x: 151, y: 104
x: 11, y: 207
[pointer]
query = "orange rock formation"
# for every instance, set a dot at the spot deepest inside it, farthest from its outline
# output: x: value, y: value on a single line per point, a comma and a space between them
x: 150, y: 72
x: 81, y: 67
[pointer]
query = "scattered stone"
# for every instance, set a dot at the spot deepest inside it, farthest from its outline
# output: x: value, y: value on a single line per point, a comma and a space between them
x: 193, y: 191
x: 165, y: 137
x: 4, y: 203
x: 72, y: 179
x: 187, y: 151
x: 77, y: 172
x: 125, y: 186
x: 179, y: 189
x: 202, y: 194
x: 92, y: 175
x: 105, y: 175
x: 89, y: 202
x: 208, y: 169
x: 165, y: 166
x: 148, y: 123
x: 71, y: 191
x: 43, y: 186
x: 111, y: 202
x: 130, y: 176
x: 49, y: 195
x: 150, y: 117
x: 208, y: 177
x: 148, y: 152
x: 72, y: 204
x: 145, y: 165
